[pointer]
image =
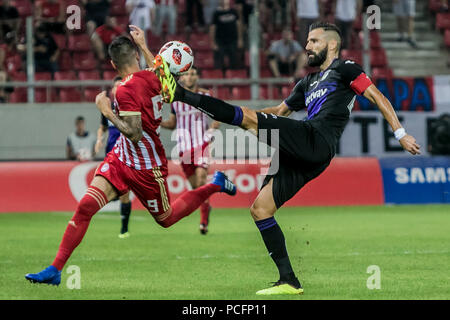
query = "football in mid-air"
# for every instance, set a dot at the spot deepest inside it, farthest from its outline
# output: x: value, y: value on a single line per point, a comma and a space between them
x: 178, y: 55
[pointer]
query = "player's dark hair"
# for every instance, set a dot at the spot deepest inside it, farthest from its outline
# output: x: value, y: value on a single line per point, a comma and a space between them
x: 79, y: 118
x: 122, y: 51
x: 117, y: 78
x: 327, y: 26
x: 197, y: 69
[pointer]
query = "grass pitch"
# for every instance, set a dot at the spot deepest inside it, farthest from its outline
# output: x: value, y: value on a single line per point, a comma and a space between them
x: 331, y: 249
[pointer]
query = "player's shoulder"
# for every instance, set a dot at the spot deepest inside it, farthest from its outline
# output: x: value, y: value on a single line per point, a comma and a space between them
x: 345, y: 65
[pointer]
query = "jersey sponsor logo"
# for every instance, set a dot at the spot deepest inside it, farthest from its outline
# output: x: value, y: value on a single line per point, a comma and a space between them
x: 316, y: 94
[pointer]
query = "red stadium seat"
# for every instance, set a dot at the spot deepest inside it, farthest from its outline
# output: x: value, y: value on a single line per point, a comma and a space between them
x: 24, y: 7
x: 434, y: 5
x: 65, y: 61
x: 65, y: 75
x: 123, y: 22
x: 109, y: 75
x: 106, y: 65
x: 236, y: 74
x: 117, y: 9
x: 60, y: 40
x: 90, y: 94
x: 385, y: 73
x: 19, y: 95
x: 378, y: 58
x: 204, y: 60
x: 84, y: 61
x: 200, y: 41
x: 154, y: 42
x: 79, y: 42
x: 69, y: 95
x: 13, y: 63
x: 355, y: 55
x: 89, y: 75
x: 222, y: 93
x: 287, y: 89
x: 443, y: 21
x: 265, y: 73
x: 19, y: 77
x: 176, y: 37
x: 447, y: 38
x: 241, y: 93
x: 42, y: 95
x: 212, y: 74
x: 266, y: 93
x: 375, y: 40
x: 43, y: 76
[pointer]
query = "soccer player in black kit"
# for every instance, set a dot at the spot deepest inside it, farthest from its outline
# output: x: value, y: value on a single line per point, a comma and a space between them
x: 305, y: 147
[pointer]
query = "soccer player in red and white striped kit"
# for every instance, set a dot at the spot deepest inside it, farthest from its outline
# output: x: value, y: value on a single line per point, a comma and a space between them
x: 194, y: 134
x: 136, y: 163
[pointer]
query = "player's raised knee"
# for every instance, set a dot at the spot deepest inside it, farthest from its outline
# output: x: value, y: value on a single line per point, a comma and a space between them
x: 259, y: 212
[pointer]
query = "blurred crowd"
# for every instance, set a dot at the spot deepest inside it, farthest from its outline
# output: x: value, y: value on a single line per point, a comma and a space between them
x: 224, y: 23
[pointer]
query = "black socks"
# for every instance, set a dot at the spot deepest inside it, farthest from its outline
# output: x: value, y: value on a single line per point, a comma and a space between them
x: 275, y: 243
x: 217, y: 109
x: 125, y: 210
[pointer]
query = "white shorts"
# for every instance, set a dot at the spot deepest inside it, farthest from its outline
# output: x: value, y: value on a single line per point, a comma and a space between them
x: 405, y: 8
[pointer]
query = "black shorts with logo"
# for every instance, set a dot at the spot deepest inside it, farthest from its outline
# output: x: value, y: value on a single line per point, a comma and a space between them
x: 301, y: 154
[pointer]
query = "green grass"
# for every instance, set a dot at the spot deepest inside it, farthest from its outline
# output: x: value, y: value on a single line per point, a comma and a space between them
x: 330, y: 249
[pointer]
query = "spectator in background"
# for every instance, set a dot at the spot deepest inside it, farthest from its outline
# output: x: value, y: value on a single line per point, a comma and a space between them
x: 142, y: 15
x: 80, y: 144
x: 273, y: 14
x: 166, y: 10
x: 104, y: 35
x: 405, y: 11
x: 286, y: 56
x: 226, y: 35
x: 46, y: 51
x: 345, y: 15
x: 209, y: 7
x: 307, y: 13
x: 245, y: 8
x: 194, y: 8
x: 96, y: 13
x: 51, y: 14
x: 9, y: 19
x: 7, y: 50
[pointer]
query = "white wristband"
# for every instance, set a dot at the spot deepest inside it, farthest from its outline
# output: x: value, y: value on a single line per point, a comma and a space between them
x: 399, y: 133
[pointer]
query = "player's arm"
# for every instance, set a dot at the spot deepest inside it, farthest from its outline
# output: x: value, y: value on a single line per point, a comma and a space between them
x: 129, y: 125
x: 281, y: 110
x: 138, y: 36
x: 407, y: 141
x: 170, y: 123
x: 101, y: 135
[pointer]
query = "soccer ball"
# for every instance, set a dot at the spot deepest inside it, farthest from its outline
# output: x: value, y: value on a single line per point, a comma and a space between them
x: 178, y: 56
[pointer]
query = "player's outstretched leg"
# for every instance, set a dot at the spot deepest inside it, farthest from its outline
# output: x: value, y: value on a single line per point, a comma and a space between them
x: 125, y: 211
x: 97, y: 196
x: 215, y: 108
x: 263, y: 210
x: 189, y: 201
x: 198, y: 179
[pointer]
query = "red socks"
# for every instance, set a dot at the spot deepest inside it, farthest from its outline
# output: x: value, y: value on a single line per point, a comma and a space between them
x: 204, y: 212
x: 93, y: 200
x: 187, y: 203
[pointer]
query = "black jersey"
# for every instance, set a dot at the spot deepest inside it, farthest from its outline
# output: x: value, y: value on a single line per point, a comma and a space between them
x: 329, y: 96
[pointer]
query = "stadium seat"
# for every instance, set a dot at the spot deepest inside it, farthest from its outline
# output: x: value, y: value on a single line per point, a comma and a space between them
x: 265, y: 73
x: 89, y: 94
x: 355, y: 55
x: 89, y: 75
x: 65, y: 61
x: 375, y: 40
x: 123, y: 22
x: 287, y: 89
x: 236, y: 74
x: 199, y: 41
x: 212, y: 74
x: 65, y: 75
x: 155, y: 42
x: 43, y: 95
x: 19, y: 95
x: 176, y: 37
x: 434, y: 5
x: 269, y: 93
x: 241, y: 93
x: 117, y: 9
x: 79, y: 42
x: 222, y: 93
x: 447, y: 38
x: 106, y: 65
x: 84, y: 61
x: 443, y: 21
x: 43, y: 76
x: 69, y: 95
x: 204, y: 60
x: 24, y: 7
x: 385, y: 73
x: 109, y: 75
x: 13, y: 63
x: 60, y: 40
x: 378, y: 58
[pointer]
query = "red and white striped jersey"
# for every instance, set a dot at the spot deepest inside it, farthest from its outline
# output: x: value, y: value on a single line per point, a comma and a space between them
x: 139, y: 94
x: 192, y: 126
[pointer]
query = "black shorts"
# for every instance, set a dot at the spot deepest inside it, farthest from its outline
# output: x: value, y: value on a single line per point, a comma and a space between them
x: 301, y: 154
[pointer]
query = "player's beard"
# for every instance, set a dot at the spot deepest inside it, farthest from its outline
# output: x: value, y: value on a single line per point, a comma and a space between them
x: 318, y: 58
